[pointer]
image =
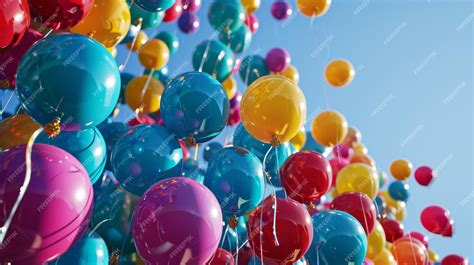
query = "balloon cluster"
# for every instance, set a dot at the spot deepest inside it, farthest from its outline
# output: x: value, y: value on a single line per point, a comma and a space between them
x: 82, y: 187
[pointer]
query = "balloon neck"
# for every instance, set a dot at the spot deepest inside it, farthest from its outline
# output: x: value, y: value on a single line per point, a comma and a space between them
x: 139, y: 21
x: 116, y: 112
x: 190, y: 141
x: 233, y: 222
x: 90, y: 34
x: 275, y: 142
x: 311, y: 207
x: 53, y: 128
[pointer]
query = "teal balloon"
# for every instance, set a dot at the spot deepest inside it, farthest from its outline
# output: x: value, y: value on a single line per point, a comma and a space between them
x: 229, y: 242
x: 71, y: 77
x: 252, y: 68
x: 170, y: 39
x: 191, y: 170
x: 111, y: 131
x: 399, y: 191
x: 273, y: 162
x: 125, y: 78
x: 88, y: 146
x: 210, y: 150
x: 256, y: 261
x: 195, y: 105
x: 238, y: 40
x: 311, y: 144
x: 226, y: 15
x: 87, y: 250
x: 155, y: 5
x: 235, y: 176
x: 215, y: 58
x: 160, y: 74
x: 144, y: 155
x: 380, y: 205
x: 243, y: 139
x: 338, y: 239
x: 149, y: 19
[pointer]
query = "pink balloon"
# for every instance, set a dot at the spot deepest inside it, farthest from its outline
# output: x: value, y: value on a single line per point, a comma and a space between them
x: 424, y: 175
x: 336, y: 166
x: 177, y: 221
x: 55, y: 210
x: 277, y: 60
x: 367, y: 262
x: 342, y: 151
x: 454, y: 260
x: 436, y: 220
x: 420, y: 236
x: 252, y: 22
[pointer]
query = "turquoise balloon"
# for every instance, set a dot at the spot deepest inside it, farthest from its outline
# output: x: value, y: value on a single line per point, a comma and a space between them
x: 88, y: 146
x: 311, y: 144
x: 155, y: 5
x: 111, y: 131
x: 243, y: 139
x: 71, y: 77
x: 338, y: 239
x: 229, y: 243
x: 226, y: 15
x: 144, y: 155
x: 238, y: 40
x: 149, y: 19
x: 399, y: 191
x: 88, y: 250
x: 215, y: 58
x: 192, y: 170
x: 170, y: 39
x: 210, y: 150
x: 160, y: 74
x: 235, y: 176
x: 195, y: 105
x: 380, y: 204
x: 252, y: 68
x: 273, y: 163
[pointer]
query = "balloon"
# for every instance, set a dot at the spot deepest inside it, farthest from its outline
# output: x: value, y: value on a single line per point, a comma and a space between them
x: 338, y: 239
x: 291, y: 73
x: 339, y: 73
x: 424, y: 175
x: 57, y: 14
x: 281, y: 10
x: 87, y: 146
x: 111, y: 131
x: 306, y: 176
x: 329, y: 128
x: 210, y: 150
x: 358, y: 177
x: 250, y: 6
x: 16, y: 130
x: 162, y: 218
x: 273, y: 109
x: 230, y: 241
x: 436, y: 219
x: 147, y: 19
x: 243, y: 139
x: 362, y: 158
x: 382, y: 178
x: 225, y: 15
x: 376, y: 242
x: 154, y: 55
x: 169, y: 39
x: 401, y: 169
x: 277, y: 59
x: 88, y: 250
x: 108, y: 22
x: 133, y: 30
x: 230, y: 87
x: 399, y: 191
x: 419, y: 236
x: 380, y: 204
x: 221, y: 257
x: 155, y: 5
x: 299, y: 140
x: 173, y: 13
x: 14, y: 22
x: 234, y: 102
x: 160, y: 74
x: 293, y: 229
x: 251, y: 22
x: 393, y: 230
x: 454, y: 260
x: 311, y: 144
x: 140, y: 40
x: 52, y: 91
x: 235, y: 176
x: 214, y: 58
x: 385, y: 258
x: 313, y: 8
x: 273, y: 163
x: 409, y: 251
x: 353, y: 137
x: 238, y: 40
x: 359, y: 206
x: 195, y: 107
x: 252, y: 68
x: 188, y: 22
x: 341, y: 151
x: 336, y: 165
x: 55, y: 209
x: 144, y: 155
x: 191, y: 170
x: 144, y: 102
x: 191, y: 6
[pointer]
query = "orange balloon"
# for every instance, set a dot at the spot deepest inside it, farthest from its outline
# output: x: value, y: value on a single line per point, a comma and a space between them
x: 299, y: 140
x: 339, y: 73
x: 154, y: 54
x: 409, y: 251
x: 140, y: 40
x: 401, y: 169
x: 147, y: 102
x: 313, y: 8
x: 329, y: 128
x: 362, y: 158
x: 291, y: 73
x: 16, y: 130
x: 230, y: 87
x: 353, y: 137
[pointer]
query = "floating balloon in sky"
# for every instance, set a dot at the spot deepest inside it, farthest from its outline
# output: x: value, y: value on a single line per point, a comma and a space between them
x: 424, y: 175
x: 399, y: 190
x: 170, y: 39
x: 277, y: 60
x: 191, y: 6
x: 155, y: 5
x: 358, y: 177
x: 251, y: 5
x: 252, y: 68
x: 401, y: 169
x: 329, y: 128
x: 225, y: 15
x: 143, y: 99
x: 454, y: 260
x: 215, y: 58
x: 188, y: 22
x: 437, y: 220
x: 339, y: 73
x: 313, y: 8
x: 154, y: 54
x: 238, y: 40
x: 393, y: 229
x: 142, y: 19
x: 281, y: 9
x: 173, y: 13
x: 251, y: 22
x: 291, y: 73
x: 358, y: 205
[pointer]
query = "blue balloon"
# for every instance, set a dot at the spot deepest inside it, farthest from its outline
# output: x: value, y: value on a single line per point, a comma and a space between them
x: 229, y: 243
x: 88, y: 146
x: 192, y: 170
x: 144, y: 155
x: 160, y: 74
x: 252, y: 68
x: 88, y: 250
x: 215, y: 58
x: 155, y: 5
x: 170, y: 39
x: 380, y: 204
x: 338, y: 239
x: 149, y: 19
x: 125, y: 78
x: 238, y: 40
x: 399, y: 191
x: 235, y: 176
x: 70, y: 77
x: 111, y: 131
x: 226, y: 15
x: 195, y: 107
x: 273, y: 163
x: 210, y: 150
x: 311, y: 144
x: 243, y: 139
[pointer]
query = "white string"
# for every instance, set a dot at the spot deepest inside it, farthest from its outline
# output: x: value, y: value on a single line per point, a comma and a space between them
x: 124, y: 64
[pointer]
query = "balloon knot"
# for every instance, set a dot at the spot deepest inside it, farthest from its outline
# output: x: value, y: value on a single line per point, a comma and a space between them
x: 275, y: 142
x: 311, y: 207
x: 53, y: 128
x: 190, y: 141
x: 138, y: 21
x: 233, y: 222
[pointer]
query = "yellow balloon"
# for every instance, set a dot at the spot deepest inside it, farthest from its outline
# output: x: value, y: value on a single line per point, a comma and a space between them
x: 362, y: 158
x: 230, y: 87
x: 16, y: 130
x: 273, y: 109
x: 149, y: 101
x: 397, y: 208
x: 329, y: 128
x: 385, y: 258
x: 376, y: 241
x: 250, y: 5
x: 140, y: 40
x: 313, y: 8
x: 291, y: 73
x: 360, y: 148
x: 358, y: 177
x: 334, y: 193
x: 299, y: 140
x: 108, y: 22
x: 433, y: 256
x: 339, y: 73
x: 400, y: 213
x: 154, y: 54
x: 401, y: 169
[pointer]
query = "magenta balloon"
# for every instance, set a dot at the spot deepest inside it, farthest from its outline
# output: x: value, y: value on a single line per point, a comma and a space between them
x: 177, y: 221
x: 424, y: 175
x: 436, y: 220
x: 191, y: 6
x: 281, y: 9
x: 55, y: 210
x: 277, y: 60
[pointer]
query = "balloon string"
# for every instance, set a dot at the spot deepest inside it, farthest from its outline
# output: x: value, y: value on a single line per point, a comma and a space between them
x: 196, y: 149
x: 47, y: 34
x: 225, y: 235
x: 412, y: 250
x: 275, y: 202
x: 240, y: 247
x: 124, y: 64
x: 145, y: 88
x: 111, y: 217
x: 8, y: 101
x: 226, y: 135
x: 24, y: 186
x: 204, y: 56
x: 247, y: 72
x: 18, y: 110
x: 237, y: 244
x: 219, y: 59
x: 365, y: 217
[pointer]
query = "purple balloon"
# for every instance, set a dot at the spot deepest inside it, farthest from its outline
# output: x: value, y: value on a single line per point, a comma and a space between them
x: 177, y: 221
x: 188, y: 22
x: 277, y: 60
x: 55, y: 210
x: 191, y: 6
x: 342, y: 151
x: 235, y: 101
x: 281, y: 9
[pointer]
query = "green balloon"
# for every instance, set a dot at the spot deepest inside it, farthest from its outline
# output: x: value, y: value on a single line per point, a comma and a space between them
x: 252, y: 68
x: 226, y: 15
x: 238, y: 40
x: 214, y: 58
x: 149, y: 19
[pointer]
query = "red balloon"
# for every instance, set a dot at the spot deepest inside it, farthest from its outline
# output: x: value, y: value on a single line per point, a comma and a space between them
x: 191, y: 6
x: 420, y: 236
x: 393, y: 230
x: 60, y: 14
x: 436, y: 220
x: 454, y: 260
x: 14, y: 22
x: 234, y: 117
x: 306, y: 176
x: 173, y: 13
x: 142, y: 119
x: 294, y: 231
x: 221, y: 257
x: 358, y: 205
x: 252, y: 22
x: 424, y: 175
x: 245, y: 255
x: 336, y: 166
